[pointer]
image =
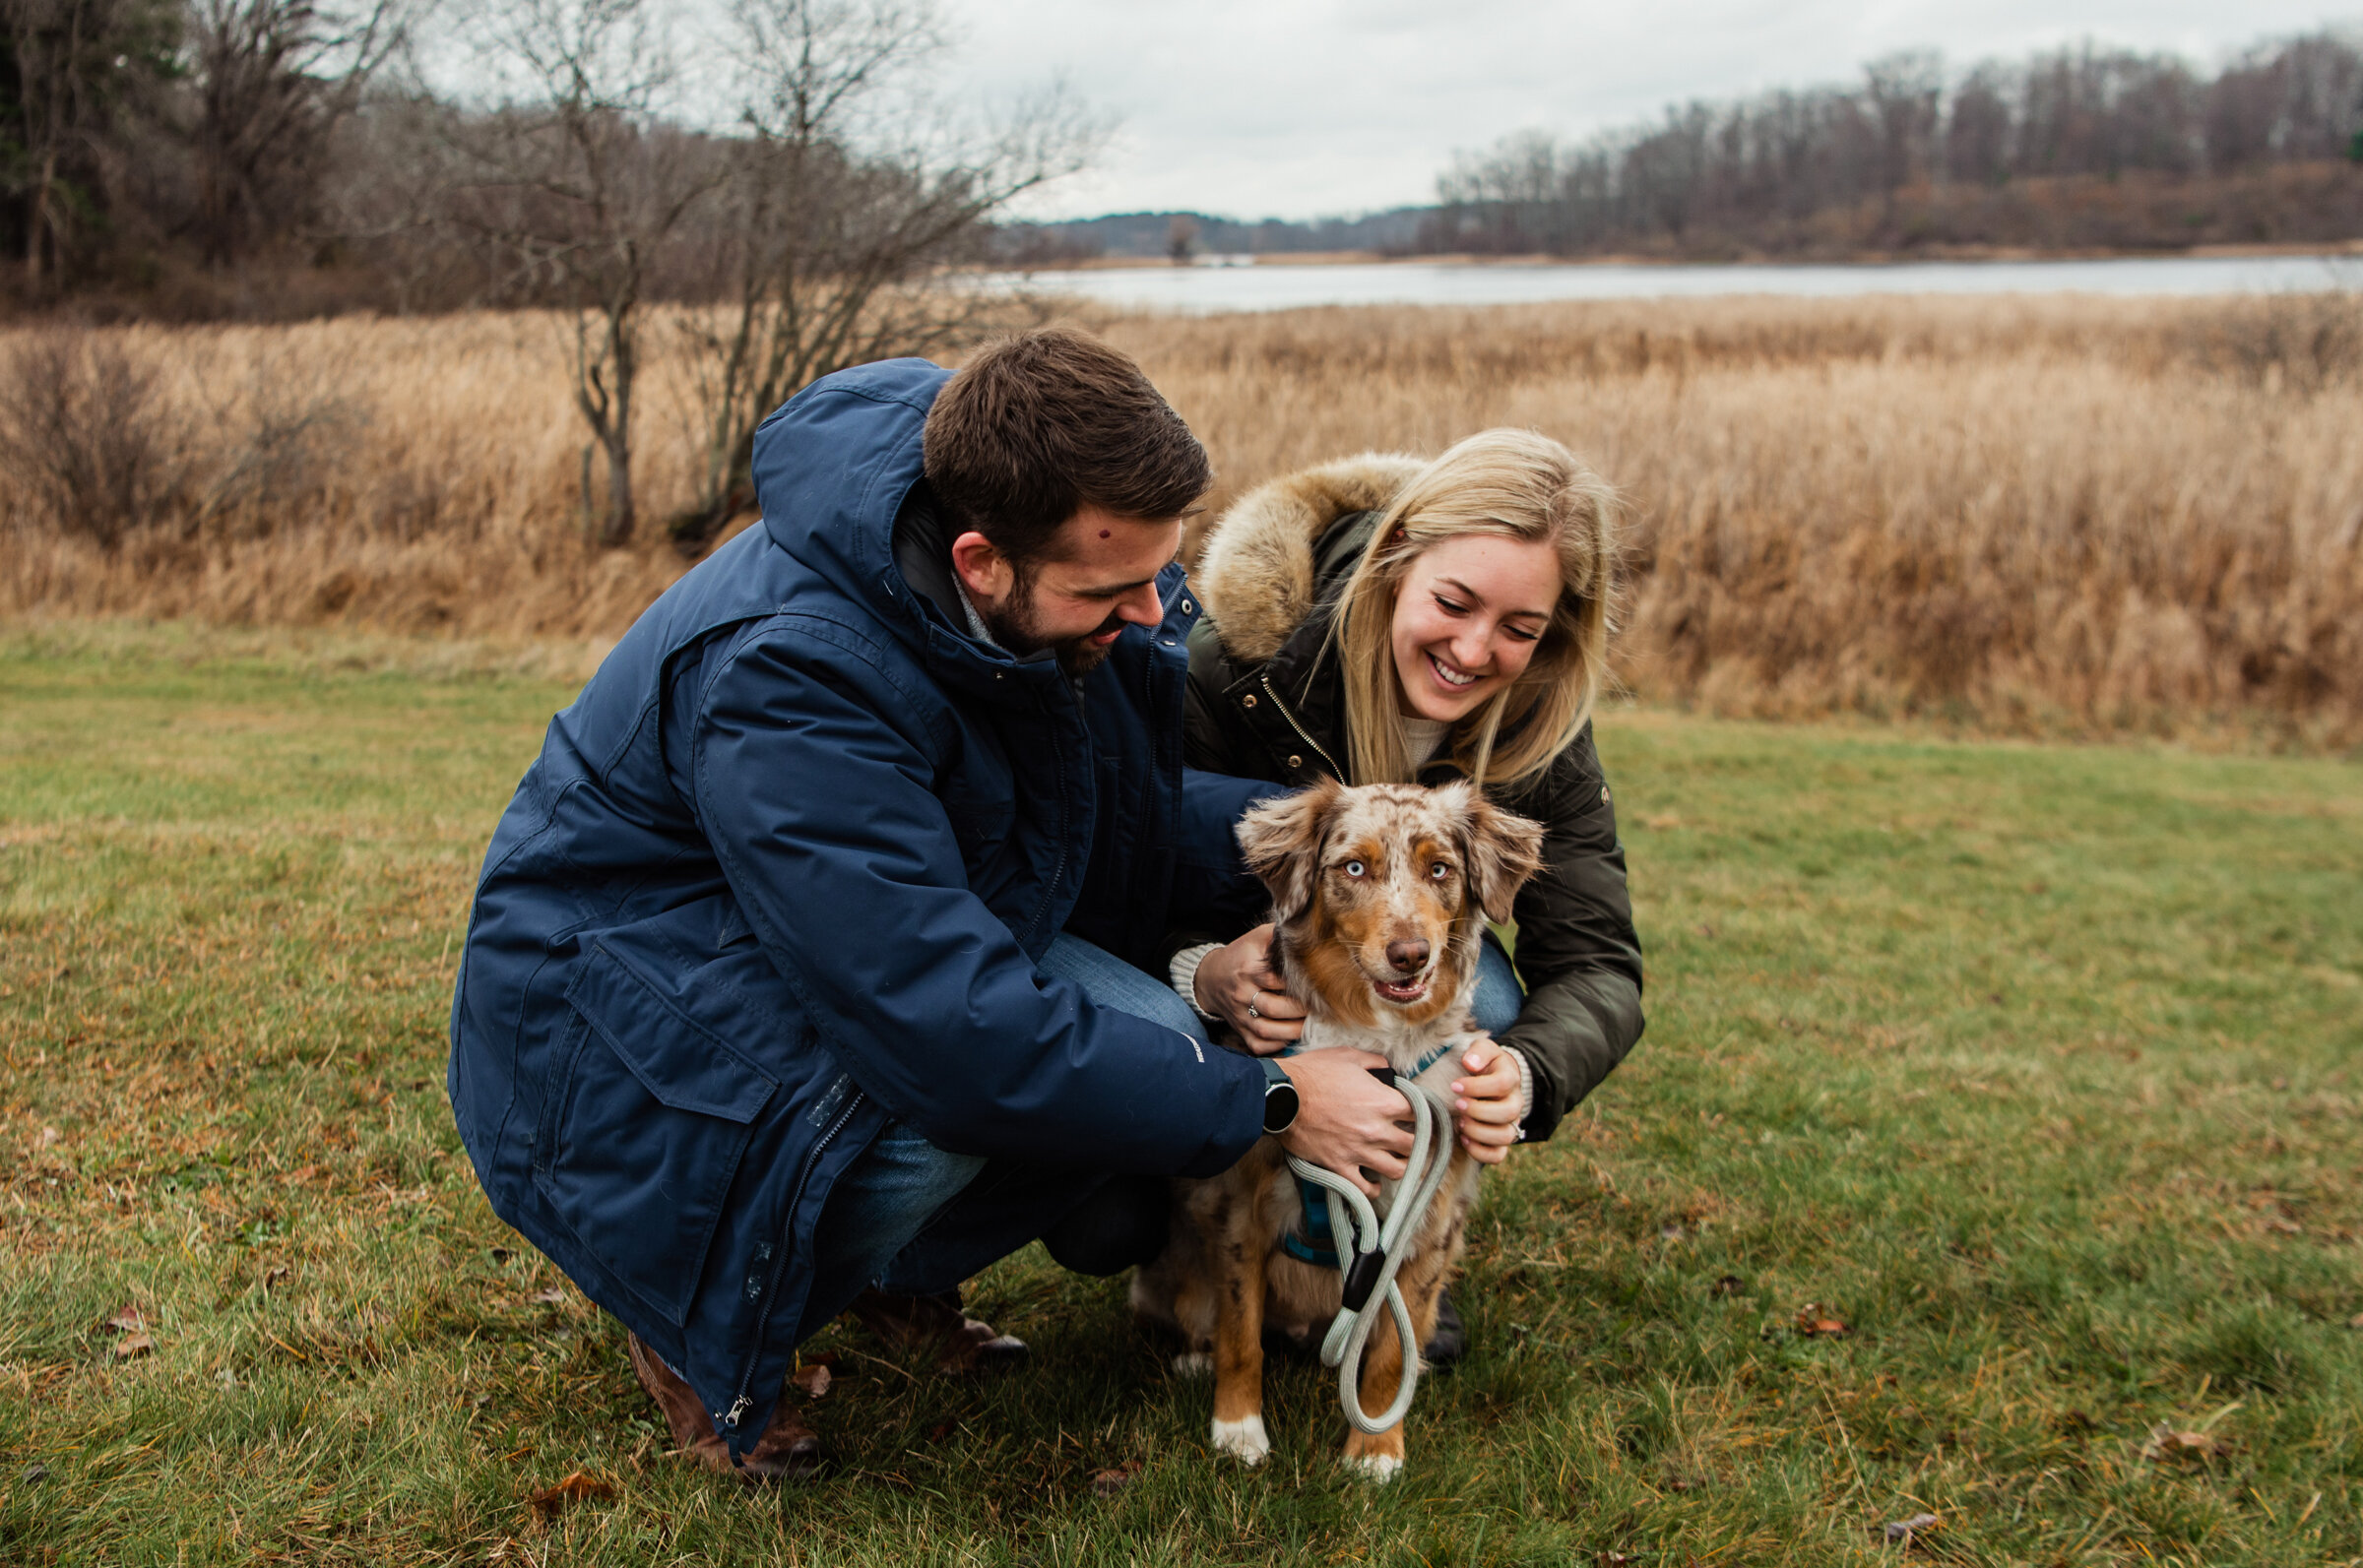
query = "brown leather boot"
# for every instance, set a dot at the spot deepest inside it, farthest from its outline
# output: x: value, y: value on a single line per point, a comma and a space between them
x: 918, y: 1323
x: 788, y: 1446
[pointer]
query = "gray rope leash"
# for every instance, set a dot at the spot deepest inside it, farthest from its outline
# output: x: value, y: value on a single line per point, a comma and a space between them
x: 1378, y: 1251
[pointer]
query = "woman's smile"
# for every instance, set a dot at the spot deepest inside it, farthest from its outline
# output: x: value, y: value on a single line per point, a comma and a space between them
x: 1451, y: 677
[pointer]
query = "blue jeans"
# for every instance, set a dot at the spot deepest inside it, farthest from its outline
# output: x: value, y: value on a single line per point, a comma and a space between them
x: 915, y: 1219
x: 1498, y: 996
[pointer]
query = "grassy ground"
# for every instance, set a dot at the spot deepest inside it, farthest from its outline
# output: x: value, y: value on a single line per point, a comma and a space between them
x: 2032, y: 1067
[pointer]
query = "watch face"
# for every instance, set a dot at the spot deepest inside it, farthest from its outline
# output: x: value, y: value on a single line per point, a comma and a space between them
x: 1279, y: 1107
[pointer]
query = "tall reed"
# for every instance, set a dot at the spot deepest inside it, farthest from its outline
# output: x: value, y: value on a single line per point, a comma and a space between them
x: 2036, y: 513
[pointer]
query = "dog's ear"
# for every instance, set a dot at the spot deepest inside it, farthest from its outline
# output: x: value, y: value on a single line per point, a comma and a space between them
x: 1504, y: 850
x: 1282, y: 841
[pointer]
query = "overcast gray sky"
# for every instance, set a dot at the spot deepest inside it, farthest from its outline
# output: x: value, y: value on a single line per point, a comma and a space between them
x: 1297, y: 108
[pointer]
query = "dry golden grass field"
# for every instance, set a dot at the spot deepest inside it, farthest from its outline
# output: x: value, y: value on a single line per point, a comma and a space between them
x: 2057, y: 514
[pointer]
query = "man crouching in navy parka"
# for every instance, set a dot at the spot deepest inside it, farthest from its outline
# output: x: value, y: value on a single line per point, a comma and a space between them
x: 806, y: 968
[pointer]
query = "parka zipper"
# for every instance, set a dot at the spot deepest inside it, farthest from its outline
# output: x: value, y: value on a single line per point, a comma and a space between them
x: 1301, y: 733
x: 739, y: 1405
x: 1050, y: 893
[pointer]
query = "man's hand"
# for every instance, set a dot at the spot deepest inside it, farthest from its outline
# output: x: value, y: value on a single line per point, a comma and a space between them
x: 1484, y: 1103
x: 1347, y: 1120
x: 1232, y: 978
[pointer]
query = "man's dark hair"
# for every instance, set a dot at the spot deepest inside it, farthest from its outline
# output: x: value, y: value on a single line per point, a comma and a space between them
x: 1040, y: 424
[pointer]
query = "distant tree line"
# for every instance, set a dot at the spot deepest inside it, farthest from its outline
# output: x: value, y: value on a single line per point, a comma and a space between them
x: 2085, y: 145
x: 1187, y: 234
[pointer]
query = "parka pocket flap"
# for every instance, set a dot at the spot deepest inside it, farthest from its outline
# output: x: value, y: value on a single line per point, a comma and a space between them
x: 679, y: 1061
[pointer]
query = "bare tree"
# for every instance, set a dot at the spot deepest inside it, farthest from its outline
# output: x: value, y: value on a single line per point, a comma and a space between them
x: 1904, y: 90
x: 837, y: 217
x: 582, y: 185
x: 272, y: 79
x: 79, y: 66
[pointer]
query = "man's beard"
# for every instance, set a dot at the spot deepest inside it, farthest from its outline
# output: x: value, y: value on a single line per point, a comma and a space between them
x: 1015, y: 628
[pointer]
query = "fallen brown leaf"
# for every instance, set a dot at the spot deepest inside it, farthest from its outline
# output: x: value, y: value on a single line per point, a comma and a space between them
x: 1903, y: 1532
x: 2166, y: 1441
x: 578, y: 1487
x: 555, y: 1295
x: 132, y: 1345
x: 129, y: 1318
x: 812, y: 1378
x: 49, y: 1137
x: 1107, y: 1482
x: 1814, y: 1321
x: 1729, y: 1284
x: 277, y: 1273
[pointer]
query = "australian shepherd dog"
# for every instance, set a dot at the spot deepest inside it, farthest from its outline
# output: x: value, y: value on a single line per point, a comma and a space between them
x: 1379, y: 897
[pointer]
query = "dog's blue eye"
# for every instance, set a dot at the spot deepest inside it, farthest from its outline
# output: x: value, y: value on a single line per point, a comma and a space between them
x: 1440, y: 870
x: 1354, y: 869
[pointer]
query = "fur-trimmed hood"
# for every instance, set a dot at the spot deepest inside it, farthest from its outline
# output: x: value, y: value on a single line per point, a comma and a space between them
x: 1256, y: 574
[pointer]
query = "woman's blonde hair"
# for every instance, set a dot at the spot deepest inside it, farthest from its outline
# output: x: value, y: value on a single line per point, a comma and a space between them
x: 1514, y: 484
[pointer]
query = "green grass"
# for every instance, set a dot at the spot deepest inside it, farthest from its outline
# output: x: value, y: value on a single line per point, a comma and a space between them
x: 2033, y: 1066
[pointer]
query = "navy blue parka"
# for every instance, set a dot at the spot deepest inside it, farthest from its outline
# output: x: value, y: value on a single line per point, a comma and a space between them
x: 783, y: 872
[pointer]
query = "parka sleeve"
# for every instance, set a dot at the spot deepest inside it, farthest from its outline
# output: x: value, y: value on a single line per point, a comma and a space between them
x: 815, y: 785
x: 1213, y: 889
x: 1578, y: 952
x: 1212, y: 766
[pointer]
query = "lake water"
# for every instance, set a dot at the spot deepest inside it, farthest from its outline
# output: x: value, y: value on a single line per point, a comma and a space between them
x: 1207, y: 288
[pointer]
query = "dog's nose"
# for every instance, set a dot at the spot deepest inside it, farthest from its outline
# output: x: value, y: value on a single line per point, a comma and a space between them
x: 1408, y: 958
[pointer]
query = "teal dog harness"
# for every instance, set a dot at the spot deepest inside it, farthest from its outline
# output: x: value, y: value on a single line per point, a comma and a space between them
x: 1318, y: 1245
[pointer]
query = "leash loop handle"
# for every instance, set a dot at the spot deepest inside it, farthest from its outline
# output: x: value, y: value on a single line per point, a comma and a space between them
x: 1379, y: 1249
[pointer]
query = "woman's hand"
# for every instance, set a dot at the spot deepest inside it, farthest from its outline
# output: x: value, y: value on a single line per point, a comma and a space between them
x: 1236, y: 984
x: 1484, y: 1103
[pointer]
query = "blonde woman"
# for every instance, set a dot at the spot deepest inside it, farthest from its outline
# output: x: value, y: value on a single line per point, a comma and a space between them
x: 1384, y: 618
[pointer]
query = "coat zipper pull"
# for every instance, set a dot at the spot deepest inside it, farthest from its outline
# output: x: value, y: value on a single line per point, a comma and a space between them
x: 738, y: 1408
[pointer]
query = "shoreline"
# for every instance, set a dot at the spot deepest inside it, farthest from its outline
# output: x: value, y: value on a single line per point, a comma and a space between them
x: 1949, y: 254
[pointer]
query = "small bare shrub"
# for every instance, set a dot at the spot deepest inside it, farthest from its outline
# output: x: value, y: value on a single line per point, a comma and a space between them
x: 2301, y: 342
x: 84, y: 436
x: 276, y: 455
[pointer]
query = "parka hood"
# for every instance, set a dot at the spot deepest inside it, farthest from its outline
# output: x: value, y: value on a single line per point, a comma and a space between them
x: 841, y: 474
x: 833, y: 465
x: 1256, y: 571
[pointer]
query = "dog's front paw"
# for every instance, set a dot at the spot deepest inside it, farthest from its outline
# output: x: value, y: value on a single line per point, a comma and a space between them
x: 1376, y: 1456
x: 1244, y: 1439
x: 1193, y: 1363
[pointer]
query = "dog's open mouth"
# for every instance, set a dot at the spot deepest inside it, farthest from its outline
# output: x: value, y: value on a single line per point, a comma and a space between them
x: 1401, y: 993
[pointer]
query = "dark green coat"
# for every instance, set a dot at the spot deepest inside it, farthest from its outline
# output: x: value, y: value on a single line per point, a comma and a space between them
x: 1283, y: 718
